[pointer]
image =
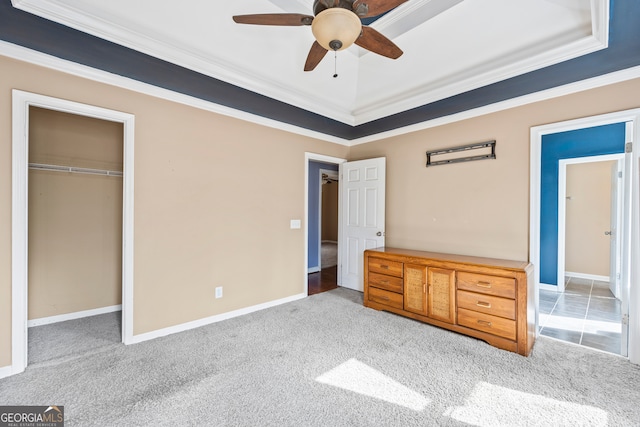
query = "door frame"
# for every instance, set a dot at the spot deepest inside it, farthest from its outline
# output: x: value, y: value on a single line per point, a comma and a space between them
x: 309, y: 157
x: 631, y: 216
x: 562, y: 192
x: 21, y: 101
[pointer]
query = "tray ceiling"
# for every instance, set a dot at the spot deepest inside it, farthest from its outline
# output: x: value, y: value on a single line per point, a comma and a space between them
x: 450, y: 46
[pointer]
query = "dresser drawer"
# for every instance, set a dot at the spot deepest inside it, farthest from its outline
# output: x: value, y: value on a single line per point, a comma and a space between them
x: 488, y: 304
x: 383, y: 281
x: 385, y: 297
x: 485, y: 284
x: 383, y: 266
x: 495, y: 325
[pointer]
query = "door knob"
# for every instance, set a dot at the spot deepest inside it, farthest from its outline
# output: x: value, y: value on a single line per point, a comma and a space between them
x: 379, y: 233
x: 607, y: 233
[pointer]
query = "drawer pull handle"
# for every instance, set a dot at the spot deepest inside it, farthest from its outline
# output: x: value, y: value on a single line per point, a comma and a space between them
x: 484, y: 322
x: 483, y: 304
x: 484, y: 284
x: 384, y: 267
x: 384, y: 298
x: 384, y: 281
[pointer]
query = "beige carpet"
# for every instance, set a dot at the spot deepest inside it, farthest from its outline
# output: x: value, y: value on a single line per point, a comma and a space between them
x: 322, y: 361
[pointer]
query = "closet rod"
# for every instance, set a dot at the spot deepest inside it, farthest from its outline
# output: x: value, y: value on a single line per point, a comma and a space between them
x: 59, y: 168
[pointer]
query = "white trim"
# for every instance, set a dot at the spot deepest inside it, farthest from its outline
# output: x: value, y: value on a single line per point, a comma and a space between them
x: 587, y: 276
x: 41, y: 59
x: 522, y: 61
x: 6, y: 371
x: 212, y: 319
x: 72, y: 316
x: 474, y: 79
x: 562, y: 214
x: 547, y: 287
x: 633, y: 135
x: 631, y: 218
x: 19, y: 211
x: 37, y: 58
x: 313, y: 270
x: 308, y: 157
x: 556, y: 92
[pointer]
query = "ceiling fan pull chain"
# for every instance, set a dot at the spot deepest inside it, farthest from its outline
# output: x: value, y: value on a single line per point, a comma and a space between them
x: 335, y: 64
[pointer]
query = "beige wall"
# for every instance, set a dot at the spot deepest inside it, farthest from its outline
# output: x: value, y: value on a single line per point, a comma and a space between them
x: 75, y: 220
x: 204, y: 216
x: 476, y: 208
x: 588, y: 216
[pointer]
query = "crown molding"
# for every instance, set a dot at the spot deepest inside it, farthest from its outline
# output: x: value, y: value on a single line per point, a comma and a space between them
x: 404, y: 17
x: 556, y: 92
x: 518, y: 63
x: 184, y: 56
x: 476, y: 78
x: 30, y: 56
x: 47, y: 61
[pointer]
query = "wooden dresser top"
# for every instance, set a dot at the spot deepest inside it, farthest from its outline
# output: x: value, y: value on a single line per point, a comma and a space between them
x: 465, y: 259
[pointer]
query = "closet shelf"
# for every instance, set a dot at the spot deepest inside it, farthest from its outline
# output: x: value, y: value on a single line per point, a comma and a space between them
x: 72, y: 169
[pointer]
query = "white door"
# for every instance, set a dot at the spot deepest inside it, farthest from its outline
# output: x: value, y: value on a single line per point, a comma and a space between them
x: 616, y: 212
x: 362, y: 202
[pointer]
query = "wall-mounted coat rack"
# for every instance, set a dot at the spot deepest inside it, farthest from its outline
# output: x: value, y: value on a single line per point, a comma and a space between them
x: 489, y: 145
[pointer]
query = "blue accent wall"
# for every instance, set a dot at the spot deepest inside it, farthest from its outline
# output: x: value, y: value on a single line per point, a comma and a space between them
x: 595, y: 141
x: 314, y: 207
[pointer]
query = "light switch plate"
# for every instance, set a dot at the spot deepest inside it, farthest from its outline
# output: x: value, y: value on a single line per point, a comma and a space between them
x: 295, y: 224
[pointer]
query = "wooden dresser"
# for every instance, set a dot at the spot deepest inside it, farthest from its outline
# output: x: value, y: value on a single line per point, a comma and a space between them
x: 486, y: 298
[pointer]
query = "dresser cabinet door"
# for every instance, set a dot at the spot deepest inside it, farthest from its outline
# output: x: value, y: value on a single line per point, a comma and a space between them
x: 441, y: 297
x: 415, y: 289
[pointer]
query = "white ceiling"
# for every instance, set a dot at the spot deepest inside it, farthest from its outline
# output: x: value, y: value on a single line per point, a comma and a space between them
x: 450, y: 46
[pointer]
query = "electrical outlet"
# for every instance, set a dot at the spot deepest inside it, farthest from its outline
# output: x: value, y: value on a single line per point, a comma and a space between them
x: 219, y: 292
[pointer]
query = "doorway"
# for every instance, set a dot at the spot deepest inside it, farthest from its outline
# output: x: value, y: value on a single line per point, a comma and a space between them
x: 322, y: 225
x: 587, y: 311
x: 75, y: 234
x: 540, y: 252
x: 22, y: 102
x: 361, y: 214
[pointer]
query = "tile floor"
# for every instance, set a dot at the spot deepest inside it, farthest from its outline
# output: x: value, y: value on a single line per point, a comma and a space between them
x: 587, y: 314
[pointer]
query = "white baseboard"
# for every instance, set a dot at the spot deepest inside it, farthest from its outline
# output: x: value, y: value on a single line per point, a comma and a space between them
x: 6, y: 371
x: 547, y: 287
x: 313, y: 270
x: 329, y: 241
x: 213, y: 319
x: 71, y: 316
x: 587, y: 276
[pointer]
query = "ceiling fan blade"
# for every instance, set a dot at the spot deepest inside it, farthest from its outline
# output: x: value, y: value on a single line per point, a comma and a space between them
x: 372, y: 40
x: 284, y: 19
x: 316, y: 54
x: 369, y: 8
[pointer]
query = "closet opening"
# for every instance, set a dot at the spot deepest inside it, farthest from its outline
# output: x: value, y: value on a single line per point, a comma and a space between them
x: 75, y: 214
x: 63, y: 301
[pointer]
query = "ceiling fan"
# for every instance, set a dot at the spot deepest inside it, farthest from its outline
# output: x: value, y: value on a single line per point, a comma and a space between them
x: 336, y: 25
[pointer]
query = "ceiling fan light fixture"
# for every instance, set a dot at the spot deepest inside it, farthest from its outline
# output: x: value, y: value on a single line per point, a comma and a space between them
x: 336, y: 28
